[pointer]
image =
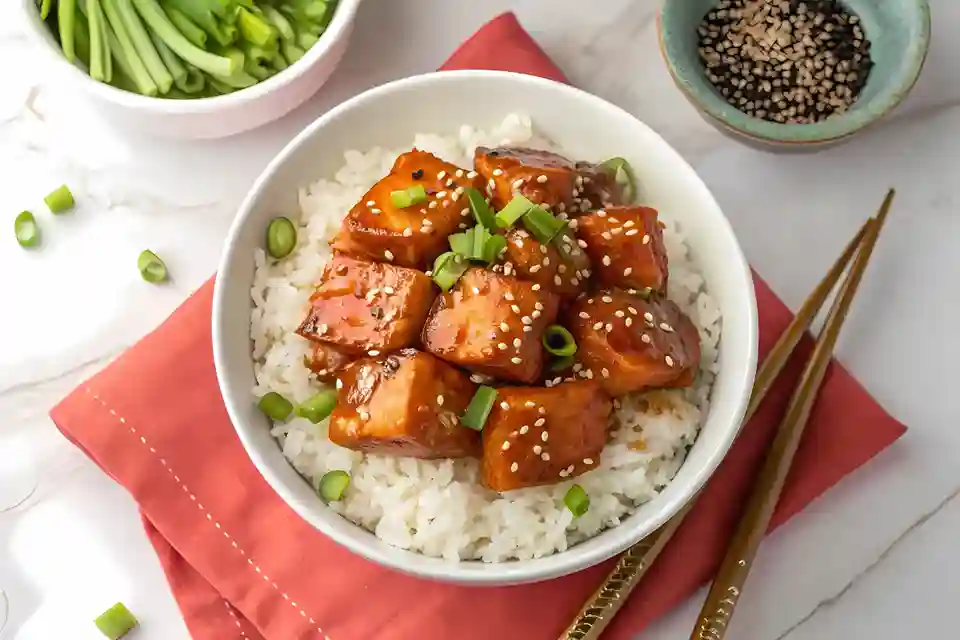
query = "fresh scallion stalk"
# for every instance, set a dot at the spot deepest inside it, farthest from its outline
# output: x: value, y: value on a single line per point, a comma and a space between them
x: 480, y: 237
x: 332, y: 485
x: 291, y: 51
x: 462, y: 243
x: 558, y: 341
x: 542, y: 224
x: 66, y: 14
x: 81, y: 37
x: 281, y: 237
x: 140, y: 38
x: 126, y: 54
x: 173, y: 64
x: 448, y: 268
x: 280, y: 22
x: 239, y: 79
x: 514, y: 210
x: 194, y: 82
x: 45, y: 7
x: 99, y: 50
x: 306, y: 40
x: 152, y: 269
x: 158, y: 21
x: 494, y: 248
x: 482, y: 212
x: 319, y: 407
x: 116, y: 622
x: 185, y: 25
x: 60, y: 200
x: 479, y: 408
x: 26, y: 229
x: 275, y: 406
x: 577, y: 500
x: 623, y: 175
x: 255, y: 29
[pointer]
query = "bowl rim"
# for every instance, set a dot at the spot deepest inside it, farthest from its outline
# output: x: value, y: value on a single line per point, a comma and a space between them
x: 339, y: 27
x: 804, y: 134
x: 503, y: 573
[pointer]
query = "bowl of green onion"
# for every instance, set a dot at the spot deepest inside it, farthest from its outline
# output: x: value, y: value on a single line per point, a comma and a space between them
x: 194, y: 68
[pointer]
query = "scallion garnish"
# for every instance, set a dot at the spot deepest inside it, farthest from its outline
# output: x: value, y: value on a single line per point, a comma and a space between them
x: 514, y: 210
x: 408, y: 197
x: 448, y: 268
x: 561, y: 363
x: 332, y: 485
x: 623, y: 175
x: 482, y: 212
x: 25, y: 226
x: 462, y: 243
x: 116, y: 622
x: 275, y: 406
x: 558, y: 341
x: 281, y: 237
x: 60, y: 200
x: 542, y: 224
x: 480, y: 237
x: 479, y: 408
x: 577, y: 500
x: 494, y: 247
x: 319, y: 407
x: 151, y: 267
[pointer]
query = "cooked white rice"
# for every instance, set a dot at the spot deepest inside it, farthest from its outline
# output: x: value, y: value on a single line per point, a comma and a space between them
x: 439, y: 507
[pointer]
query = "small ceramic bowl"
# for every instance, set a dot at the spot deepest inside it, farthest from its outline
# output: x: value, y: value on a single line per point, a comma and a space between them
x: 216, y: 117
x: 899, y: 31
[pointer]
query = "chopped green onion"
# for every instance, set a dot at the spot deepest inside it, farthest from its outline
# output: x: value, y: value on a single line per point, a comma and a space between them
x: 542, y: 224
x: 480, y: 237
x: 408, y: 197
x: 561, y: 363
x: 482, y: 212
x: 623, y: 175
x: 514, y: 210
x: 116, y: 622
x: 25, y: 226
x: 448, y: 268
x: 558, y: 341
x: 494, y: 247
x: 479, y: 408
x: 275, y: 406
x: 151, y: 267
x: 255, y: 29
x: 60, y: 200
x: 577, y: 500
x: 462, y: 243
x: 45, y: 9
x: 185, y: 25
x: 332, y: 485
x: 66, y: 15
x: 319, y: 407
x: 281, y: 237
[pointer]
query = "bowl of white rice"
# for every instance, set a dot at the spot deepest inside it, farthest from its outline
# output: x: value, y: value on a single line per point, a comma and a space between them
x: 433, y: 518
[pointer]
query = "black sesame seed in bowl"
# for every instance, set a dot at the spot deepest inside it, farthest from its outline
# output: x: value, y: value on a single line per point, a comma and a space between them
x: 794, y: 74
x: 787, y: 61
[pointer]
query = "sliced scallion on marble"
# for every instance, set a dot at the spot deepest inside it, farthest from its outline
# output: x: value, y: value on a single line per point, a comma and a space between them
x: 151, y: 267
x: 28, y: 233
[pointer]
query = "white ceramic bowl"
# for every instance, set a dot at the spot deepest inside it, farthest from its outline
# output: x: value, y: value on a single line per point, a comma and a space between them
x: 208, y: 117
x: 587, y: 128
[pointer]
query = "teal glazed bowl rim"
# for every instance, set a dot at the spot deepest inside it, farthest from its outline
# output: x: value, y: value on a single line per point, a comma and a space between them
x: 674, y: 46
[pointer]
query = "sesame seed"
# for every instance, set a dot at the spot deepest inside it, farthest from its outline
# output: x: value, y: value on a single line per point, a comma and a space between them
x: 540, y: 422
x: 542, y: 411
x: 538, y: 306
x: 606, y: 261
x: 441, y: 195
x: 323, y: 329
x: 504, y: 327
x: 433, y: 204
x: 543, y: 249
x: 441, y: 175
x: 498, y: 172
x: 601, y: 214
x: 588, y: 461
x: 440, y: 400
x: 628, y: 224
x: 541, y: 179
x: 648, y: 316
x: 604, y: 372
x: 545, y: 456
x: 389, y: 290
x: 505, y: 406
x: 388, y: 254
x: 598, y: 326
x: 665, y: 327
x: 527, y: 329
x: 515, y: 308
x: 627, y: 271
x: 518, y: 183
x: 535, y: 287
x: 619, y: 313
x: 607, y: 299
x: 609, y: 327
x: 364, y: 414
x: 471, y: 175
x: 373, y: 352
x: 375, y: 211
x: 557, y: 280
x: 529, y: 404
x: 646, y: 338
x: 407, y: 232
x: 517, y: 342
x: 584, y: 315
x: 563, y: 473
x: 570, y: 469
x: 514, y: 467
x: 508, y: 296
x: 632, y: 232
x: 371, y: 203
x: 589, y: 374
x: 536, y: 314
x: 516, y: 360
x: 535, y: 268
x: 427, y: 223
x: 524, y: 429
x: 628, y: 321
x: 632, y: 310
x: 465, y: 212
x: 502, y: 346
x: 491, y: 184
x: 582, y: 243
x: 646, y: 239
x: 506, y: 445
x: 449, y: 182
x: 544, y: 436
x: 668, y: 360
x: 606, y: 235
x: 537, y: 449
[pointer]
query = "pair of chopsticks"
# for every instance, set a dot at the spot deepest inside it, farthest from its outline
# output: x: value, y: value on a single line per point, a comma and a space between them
x: 724, y: 594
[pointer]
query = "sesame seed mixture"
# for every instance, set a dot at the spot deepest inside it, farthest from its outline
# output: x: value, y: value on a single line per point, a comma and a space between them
x: 785, y: 61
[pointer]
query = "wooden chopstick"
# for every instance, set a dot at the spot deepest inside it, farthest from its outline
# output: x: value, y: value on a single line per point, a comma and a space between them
x: 634, y: 563
x: 725, y: 592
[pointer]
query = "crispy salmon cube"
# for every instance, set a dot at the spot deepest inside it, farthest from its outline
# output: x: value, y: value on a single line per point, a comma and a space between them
x: 630, y: 344
x: 326, y: 361
x: 491, y: 324
x: 536, y: 436
x: 408, y: 403
x: 412, y: 236
x: 625, y: 245
x: 543, y: 177
x: 533, y: 261
x: 363, y: 307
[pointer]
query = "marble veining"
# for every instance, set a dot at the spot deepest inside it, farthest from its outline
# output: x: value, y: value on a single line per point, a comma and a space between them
x: 872, y: 555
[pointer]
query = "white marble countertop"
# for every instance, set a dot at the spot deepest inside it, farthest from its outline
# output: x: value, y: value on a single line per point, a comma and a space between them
x: 874, y: 558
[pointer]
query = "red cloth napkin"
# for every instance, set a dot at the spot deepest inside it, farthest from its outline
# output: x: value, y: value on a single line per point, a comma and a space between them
x: 241, y: 564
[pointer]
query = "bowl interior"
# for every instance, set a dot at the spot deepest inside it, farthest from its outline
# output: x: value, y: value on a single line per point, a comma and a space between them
x: 899, y: 32
x: 586, y: 127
